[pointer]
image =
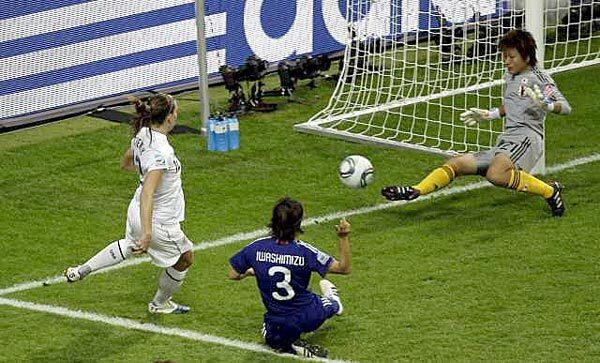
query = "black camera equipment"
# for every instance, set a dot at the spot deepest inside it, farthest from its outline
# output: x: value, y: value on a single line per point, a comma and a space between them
x: 582, y: 19
x: 488, y: 33
x: 486, y: 39
x: 253, y: 70
x: 445, y: 37
x: 237, y: 98
x: 303, y: 67
x: 360, y: 51
x: 256, y: 98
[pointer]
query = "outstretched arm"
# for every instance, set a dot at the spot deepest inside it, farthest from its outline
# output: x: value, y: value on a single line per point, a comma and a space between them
x: 234, y: 275
x: 342, y: 266
x: 473, y: 116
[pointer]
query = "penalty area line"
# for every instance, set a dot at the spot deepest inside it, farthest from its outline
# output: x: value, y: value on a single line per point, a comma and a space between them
x: 245, y: 236
x: 150, y: 328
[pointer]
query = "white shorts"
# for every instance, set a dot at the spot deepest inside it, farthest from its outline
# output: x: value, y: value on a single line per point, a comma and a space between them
x: 168, y: 241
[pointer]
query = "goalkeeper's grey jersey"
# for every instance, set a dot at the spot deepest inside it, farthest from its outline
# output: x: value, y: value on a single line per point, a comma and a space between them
x: 522, y: 114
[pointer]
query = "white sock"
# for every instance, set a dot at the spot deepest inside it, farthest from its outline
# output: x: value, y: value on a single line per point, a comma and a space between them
x: 168, y: 282
x: 112, y: 254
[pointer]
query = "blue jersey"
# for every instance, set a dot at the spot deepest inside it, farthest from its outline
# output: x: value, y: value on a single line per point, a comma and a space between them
x: 282, y: 272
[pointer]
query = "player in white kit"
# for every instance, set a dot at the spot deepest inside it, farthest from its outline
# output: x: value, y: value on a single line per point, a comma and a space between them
x: 156, y: 209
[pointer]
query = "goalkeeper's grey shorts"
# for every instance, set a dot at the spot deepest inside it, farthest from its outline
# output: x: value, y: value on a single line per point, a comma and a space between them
x: 523, y: 147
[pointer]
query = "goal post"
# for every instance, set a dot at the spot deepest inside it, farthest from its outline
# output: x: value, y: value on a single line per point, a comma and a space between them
x: 534, y: 23
x: 405, y: 85
x: 202, y: 67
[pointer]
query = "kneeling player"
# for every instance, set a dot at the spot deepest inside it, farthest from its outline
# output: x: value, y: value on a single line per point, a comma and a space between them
x: 529, y: 95
x: 283, y: 266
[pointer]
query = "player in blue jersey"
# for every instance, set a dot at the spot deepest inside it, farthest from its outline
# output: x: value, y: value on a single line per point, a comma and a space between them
x: 283, y: 265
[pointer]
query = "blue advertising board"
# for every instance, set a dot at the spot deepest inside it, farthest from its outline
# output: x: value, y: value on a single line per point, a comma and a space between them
x: 59, y: 54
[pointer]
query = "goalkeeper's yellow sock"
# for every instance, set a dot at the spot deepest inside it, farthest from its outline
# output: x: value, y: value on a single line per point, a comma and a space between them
x: 437, y: 179
x: 524, y: 182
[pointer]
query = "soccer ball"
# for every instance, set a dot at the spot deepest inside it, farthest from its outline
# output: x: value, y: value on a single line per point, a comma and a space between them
x: 356, y: 171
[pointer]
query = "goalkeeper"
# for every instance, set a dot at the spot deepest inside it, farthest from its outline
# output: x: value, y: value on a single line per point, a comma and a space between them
x: 529, y: 95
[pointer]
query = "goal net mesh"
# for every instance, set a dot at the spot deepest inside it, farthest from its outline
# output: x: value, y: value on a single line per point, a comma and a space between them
x: 412, y: 67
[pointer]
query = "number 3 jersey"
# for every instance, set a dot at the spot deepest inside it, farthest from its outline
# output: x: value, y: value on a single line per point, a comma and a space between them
x: 152, y: 151
x: 282, y: 272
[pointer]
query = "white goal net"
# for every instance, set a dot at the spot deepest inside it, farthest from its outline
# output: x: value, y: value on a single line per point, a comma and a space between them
x: 405, y: 85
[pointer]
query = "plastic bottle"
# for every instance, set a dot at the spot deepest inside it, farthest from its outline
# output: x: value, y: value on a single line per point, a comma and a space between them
x: 211, y: 139
x: 221, y: 135
x: 233, y: 134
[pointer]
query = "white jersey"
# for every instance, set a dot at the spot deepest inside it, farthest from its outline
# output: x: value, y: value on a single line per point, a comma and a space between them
x: 151, y: 151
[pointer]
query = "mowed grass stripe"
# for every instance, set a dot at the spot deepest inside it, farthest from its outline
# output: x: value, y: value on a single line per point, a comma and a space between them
x: 244, y: 236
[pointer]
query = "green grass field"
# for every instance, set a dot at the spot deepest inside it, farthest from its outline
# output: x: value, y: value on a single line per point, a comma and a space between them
x: 482, y: 275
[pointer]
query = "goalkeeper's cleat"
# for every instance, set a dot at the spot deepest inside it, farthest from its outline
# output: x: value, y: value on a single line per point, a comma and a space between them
x: 556, y: 203
x: 329, y: 290
x: 169, y: 307
x: 72, y: 274
x: 304, y: 349
x: 399, y: 193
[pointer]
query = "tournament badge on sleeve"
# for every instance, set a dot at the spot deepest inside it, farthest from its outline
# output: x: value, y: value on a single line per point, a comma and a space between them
x: 549, y: 90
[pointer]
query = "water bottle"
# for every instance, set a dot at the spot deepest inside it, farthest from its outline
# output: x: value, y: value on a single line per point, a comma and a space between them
x: 233, y: 132
x: 221, y: 135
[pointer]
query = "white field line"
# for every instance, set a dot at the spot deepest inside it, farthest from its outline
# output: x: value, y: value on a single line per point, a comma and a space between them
x: 148, y: 327
x: 245, y: 236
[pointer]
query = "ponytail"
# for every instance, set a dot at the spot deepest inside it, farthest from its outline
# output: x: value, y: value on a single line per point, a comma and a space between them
x: 144, y: 115
x: 152, y: 110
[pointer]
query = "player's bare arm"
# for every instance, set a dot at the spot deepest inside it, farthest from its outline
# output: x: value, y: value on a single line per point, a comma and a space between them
x: 156, y: 200
x: 151, y: 182
x: 127, y: 161
x: 234, y: 275
x: 342, y: 266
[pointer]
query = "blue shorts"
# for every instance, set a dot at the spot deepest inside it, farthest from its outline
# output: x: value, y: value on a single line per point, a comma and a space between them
x: 280, y: 331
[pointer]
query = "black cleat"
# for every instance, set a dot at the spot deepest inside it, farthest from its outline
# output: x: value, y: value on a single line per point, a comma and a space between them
x: 556, y: 203
x: 304, y: 349
x: 399, y: 193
